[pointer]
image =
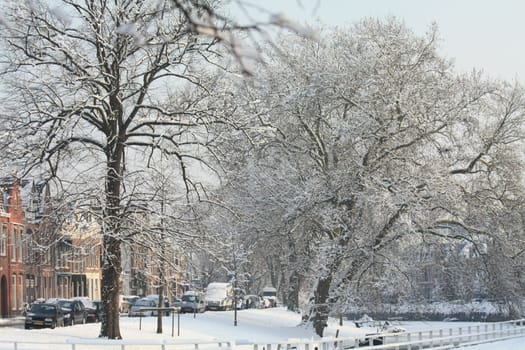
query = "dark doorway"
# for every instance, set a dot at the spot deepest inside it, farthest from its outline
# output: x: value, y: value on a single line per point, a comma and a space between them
x: 3, y: 297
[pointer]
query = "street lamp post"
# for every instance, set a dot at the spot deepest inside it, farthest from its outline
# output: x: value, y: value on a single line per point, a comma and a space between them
x: 235, y: 306
x: 234, y: 289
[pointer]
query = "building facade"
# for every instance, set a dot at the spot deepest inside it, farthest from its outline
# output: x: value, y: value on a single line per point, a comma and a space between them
x: 12, y: 240
x: 46, y: 253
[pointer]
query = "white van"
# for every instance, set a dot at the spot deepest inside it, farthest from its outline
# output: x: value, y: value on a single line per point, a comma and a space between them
x: 219, y: 296
x: 269, y: 295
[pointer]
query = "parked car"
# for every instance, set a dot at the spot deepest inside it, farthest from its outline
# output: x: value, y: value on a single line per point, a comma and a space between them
x: 91, y: 309
x: 192, y: 302
x: 177, y: 303
x: 44, y: 315
x: 219, y: 296
x: 126, y: 302
x: 100, y: 310
x: 144, y: 303
x: 155, y: 297
x: 269, y: 294
x: 74, y: 311
x: 253, y: 301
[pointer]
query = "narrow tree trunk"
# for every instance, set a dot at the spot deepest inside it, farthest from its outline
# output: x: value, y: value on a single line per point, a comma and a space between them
x: 160, y: 290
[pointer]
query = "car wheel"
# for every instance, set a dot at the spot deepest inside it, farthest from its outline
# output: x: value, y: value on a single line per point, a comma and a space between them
x: 53, y: 324
x: 27, y: 326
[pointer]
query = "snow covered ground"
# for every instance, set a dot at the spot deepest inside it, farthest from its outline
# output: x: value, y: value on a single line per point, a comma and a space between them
x: 259, y: 326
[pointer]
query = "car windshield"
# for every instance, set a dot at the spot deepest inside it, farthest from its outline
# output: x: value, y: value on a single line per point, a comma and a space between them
x: 87, y: 303
x: 66, y: 304
x: 190, y: 298
x: 43, y: 309
x: 131, y: 299
x: 216, y: 293
x: 143, y: 302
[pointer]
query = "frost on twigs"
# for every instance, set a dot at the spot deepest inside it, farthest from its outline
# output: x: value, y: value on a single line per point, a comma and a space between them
x: 130, y: 29
x: 246, y: 56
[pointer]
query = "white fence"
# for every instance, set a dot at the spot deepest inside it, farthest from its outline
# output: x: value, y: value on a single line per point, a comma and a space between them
x: 104, y: 344
x: 446, y: 338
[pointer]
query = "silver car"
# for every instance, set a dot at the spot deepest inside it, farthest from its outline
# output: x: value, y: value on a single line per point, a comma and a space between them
x: 192, y: 302
x: 143, y: 307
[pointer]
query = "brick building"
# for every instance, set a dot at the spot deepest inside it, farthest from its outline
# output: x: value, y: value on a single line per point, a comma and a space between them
x: 40, y: 238
x: 11, y: 248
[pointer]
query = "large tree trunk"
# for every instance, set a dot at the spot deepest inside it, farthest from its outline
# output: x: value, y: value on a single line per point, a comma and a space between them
x: 319, y: 315
x: 111, y: 264
x: 111, y: 269
x: 292, y: 301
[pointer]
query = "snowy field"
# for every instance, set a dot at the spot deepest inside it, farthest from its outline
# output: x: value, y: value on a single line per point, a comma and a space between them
x: 259, y: 326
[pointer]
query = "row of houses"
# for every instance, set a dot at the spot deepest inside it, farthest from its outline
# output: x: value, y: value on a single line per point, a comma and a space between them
x: 42, y: 259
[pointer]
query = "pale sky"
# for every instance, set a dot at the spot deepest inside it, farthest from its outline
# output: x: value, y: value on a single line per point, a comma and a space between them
x: 485, y: 34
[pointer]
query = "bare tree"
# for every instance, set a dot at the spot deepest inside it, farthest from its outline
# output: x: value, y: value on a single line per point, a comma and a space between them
x: 98, y: 89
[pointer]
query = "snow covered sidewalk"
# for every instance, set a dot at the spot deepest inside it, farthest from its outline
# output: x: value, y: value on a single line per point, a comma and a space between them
x: 254, y: 326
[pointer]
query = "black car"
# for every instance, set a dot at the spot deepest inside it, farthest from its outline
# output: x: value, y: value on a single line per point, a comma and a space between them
x: 44, y: 315
x: 92, y: 313
x: 74, y: 311
x: 98, y: 307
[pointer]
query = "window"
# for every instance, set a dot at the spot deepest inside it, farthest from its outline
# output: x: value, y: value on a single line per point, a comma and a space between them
x: 13, y: 244
x: 15, y: 200
x: 47, y: 256
x: 62, y: 258
x: 47, y: 287
x: 29, y: 254
x: 3, y: 240
x: 39, y: 290
x: 13, y: 292
x: 20, y: 243
x: 20, y: 291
